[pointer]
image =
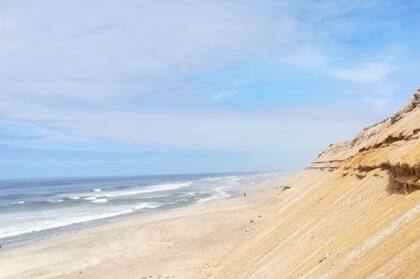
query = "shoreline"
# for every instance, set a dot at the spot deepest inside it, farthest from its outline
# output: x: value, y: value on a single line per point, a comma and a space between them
x: 213, y: 215
x: 26, y: 238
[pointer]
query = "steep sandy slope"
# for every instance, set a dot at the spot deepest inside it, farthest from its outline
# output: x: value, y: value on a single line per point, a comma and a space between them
x: 354, y: 213
x: 392, y: 145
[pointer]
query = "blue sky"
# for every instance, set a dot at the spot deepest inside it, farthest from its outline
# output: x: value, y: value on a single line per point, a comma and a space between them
x: 92, y: 88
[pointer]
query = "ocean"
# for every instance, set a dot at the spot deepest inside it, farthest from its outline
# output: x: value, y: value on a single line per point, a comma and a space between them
x: 33, y: 207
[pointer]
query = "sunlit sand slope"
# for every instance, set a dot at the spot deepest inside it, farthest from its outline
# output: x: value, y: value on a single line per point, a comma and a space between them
x: 353, y: 213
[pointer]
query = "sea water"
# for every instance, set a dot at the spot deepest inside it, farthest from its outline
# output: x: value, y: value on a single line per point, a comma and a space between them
x: 32, y: 206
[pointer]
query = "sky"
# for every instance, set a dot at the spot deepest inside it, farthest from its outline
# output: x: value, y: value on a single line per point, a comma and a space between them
x: 132, y: 87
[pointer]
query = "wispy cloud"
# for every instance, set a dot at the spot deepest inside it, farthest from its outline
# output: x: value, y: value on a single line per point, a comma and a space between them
x: 363, y: 73
x: 210, y: 129
x: 223, y: 94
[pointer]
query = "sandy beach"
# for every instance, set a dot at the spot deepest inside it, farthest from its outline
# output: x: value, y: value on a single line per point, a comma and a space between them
x: 353, y: 213
x: 180, y: 243
x: 209, y: 139
x: 323, y: 226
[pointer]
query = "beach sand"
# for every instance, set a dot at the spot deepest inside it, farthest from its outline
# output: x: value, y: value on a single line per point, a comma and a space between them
x: 353, y: 213
x: 323, y: 226
x: 180, y: 243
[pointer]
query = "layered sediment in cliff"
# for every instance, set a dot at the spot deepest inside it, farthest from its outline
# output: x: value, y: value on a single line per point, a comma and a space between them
x: 392, y: 145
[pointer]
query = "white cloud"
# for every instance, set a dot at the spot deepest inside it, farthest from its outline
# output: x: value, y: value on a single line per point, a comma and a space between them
x: 74, y: 67
x: 195, y: 129
x: 223, y: 94
x: 362, y: 73
x: 124, y: 41
x: 132, y: 47
x: 313, y: 58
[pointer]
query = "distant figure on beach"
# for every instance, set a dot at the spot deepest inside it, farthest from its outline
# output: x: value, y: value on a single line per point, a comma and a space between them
x: 244, y: 194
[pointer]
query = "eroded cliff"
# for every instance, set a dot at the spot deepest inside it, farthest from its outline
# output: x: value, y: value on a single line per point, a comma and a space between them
x: 392, y: 145
x: 353, y: 213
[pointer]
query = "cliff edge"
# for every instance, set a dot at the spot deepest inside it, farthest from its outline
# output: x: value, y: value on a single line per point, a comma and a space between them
x: 353, y: 213
x: 392, y: 144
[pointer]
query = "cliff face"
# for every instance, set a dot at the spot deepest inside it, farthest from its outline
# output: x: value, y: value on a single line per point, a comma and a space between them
x: 392, y: 145
x: 353, y: 213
